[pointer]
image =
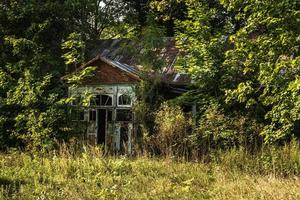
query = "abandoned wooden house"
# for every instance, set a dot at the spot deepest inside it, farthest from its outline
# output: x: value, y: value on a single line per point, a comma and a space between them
x: 109, y: 116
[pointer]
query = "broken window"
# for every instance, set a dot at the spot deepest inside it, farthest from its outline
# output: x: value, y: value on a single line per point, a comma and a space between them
x: 124, y: 115
x: 102, y: 100
x: 124, y: 100
x: 93, y: 101
x: 105, y: 100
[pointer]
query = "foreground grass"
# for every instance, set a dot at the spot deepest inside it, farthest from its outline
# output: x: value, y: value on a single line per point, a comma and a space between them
x: 233, y: 175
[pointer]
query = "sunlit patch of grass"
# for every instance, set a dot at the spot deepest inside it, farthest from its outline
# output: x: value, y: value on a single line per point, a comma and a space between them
x: 234, y: 174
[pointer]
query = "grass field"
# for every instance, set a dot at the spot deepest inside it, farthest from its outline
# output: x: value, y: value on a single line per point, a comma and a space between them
x: 88, y: 175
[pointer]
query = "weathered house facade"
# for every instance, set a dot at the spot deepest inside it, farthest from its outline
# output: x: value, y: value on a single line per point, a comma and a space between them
x: 109, y: 116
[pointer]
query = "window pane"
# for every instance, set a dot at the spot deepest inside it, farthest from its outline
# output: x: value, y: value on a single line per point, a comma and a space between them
x: 109, y: 115
x: 92, y: 115
x: 98, y: 100
x: 101, y: 100
x: 106, y: 100
x: 124, y: 99
x: 93, y: 101
x: 81, y: 115
x: 124, y: 115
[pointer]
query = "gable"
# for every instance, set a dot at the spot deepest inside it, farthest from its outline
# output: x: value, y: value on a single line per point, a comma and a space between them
x: 106, y: 73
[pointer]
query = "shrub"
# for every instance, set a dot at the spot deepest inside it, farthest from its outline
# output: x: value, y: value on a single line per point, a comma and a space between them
x: 172, y: 129
x: 217, y: 129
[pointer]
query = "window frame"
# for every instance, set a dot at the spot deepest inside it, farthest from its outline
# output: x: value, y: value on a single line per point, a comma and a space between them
x: 124, y: 105
x: 78, y: 111
x: 130, y: 110
x: 89, y: 117
x: 100, y: 101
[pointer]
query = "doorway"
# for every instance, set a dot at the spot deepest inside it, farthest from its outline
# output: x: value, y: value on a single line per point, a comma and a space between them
x: 104, y: 124
x: 101, y: 132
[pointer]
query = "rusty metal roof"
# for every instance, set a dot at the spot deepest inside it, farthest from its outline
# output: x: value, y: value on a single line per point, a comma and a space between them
x: 122, y: 66
x: 116, y: 52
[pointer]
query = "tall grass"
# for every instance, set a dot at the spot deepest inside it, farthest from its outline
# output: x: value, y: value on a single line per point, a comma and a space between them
x: 85, y: 173
x: 273, y: 160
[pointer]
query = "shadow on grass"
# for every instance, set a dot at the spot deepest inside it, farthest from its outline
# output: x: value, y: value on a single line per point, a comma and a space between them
x: 10, y: 187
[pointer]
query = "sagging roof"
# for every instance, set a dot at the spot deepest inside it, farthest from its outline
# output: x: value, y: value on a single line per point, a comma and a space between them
x: 124, y: 54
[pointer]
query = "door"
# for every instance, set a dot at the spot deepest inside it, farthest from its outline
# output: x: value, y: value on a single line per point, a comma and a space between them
x: 102, y: 123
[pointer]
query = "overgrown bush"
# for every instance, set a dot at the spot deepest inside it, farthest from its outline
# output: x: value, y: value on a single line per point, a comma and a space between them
x: 172, y: 127
x: 216, y: 129
x: 147, y: 102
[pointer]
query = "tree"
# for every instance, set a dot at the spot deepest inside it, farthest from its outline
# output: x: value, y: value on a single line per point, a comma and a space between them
x: 30, y: 68
x: 96, y: 19
x: 266, y: 57
x: 36, y: 37
x: 167, y: 12
x: 202, y: 39
x: 244, y: 56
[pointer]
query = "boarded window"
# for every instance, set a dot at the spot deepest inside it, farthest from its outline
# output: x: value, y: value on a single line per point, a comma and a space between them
x: 124, y: 115
x: 124, y: 100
